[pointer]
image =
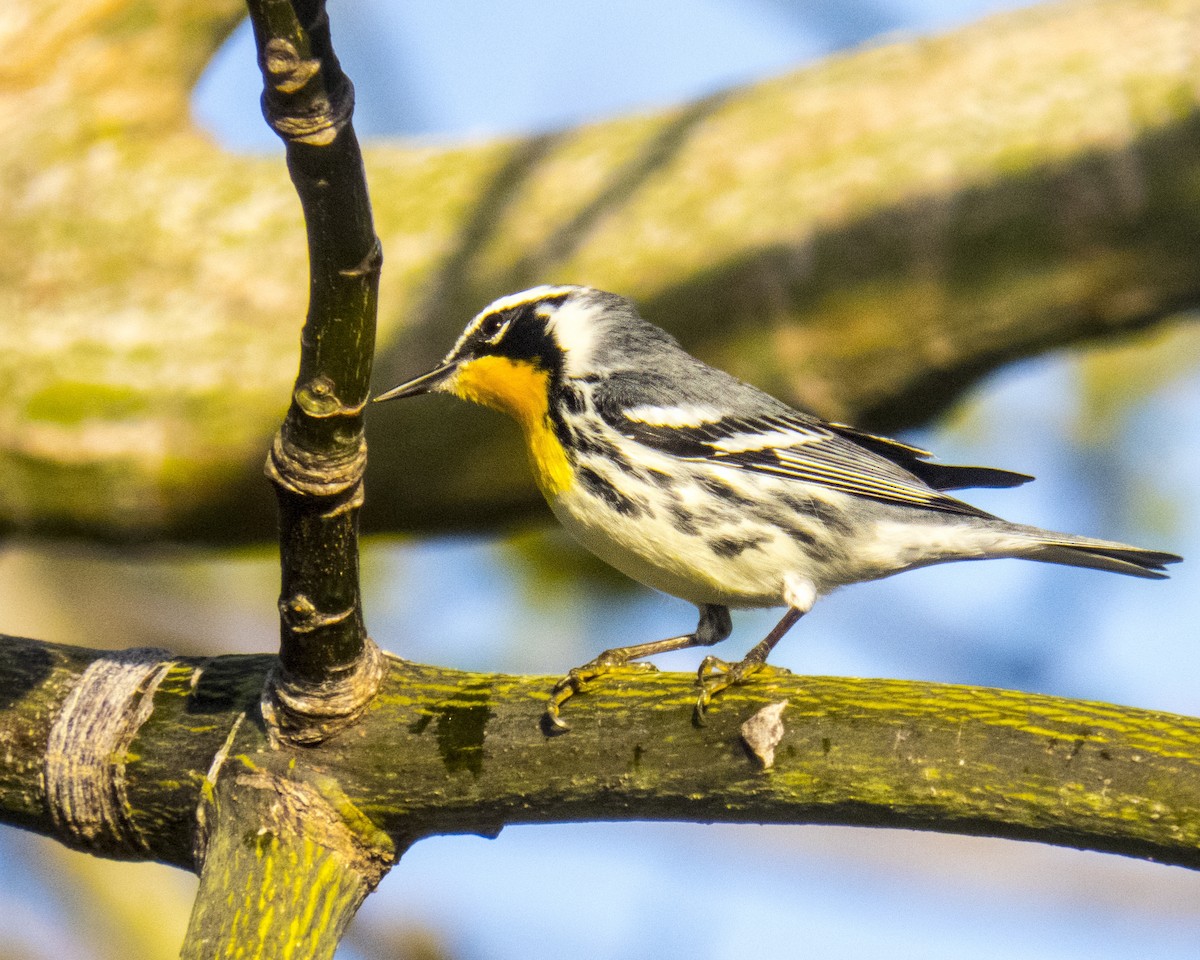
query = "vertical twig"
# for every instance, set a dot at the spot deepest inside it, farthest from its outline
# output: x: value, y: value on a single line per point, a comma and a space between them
x: 285, y: 862
x: 329, y: 668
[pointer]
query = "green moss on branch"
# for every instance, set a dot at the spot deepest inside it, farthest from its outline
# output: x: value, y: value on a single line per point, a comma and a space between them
x: 442, y: 751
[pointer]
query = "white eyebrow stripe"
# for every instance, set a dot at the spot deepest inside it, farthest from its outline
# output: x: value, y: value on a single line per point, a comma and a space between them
x: 524, y: 297
x: 768, y: 440
x: 652, y: 416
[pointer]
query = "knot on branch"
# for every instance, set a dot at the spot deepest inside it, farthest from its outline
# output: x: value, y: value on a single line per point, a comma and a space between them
x: 304, y: 100
x: 371, y: 265
x: 302, y: 616
x: 318, y: 397
x: 305, y: 711
x: 318, y: 473
x: 88, y: 745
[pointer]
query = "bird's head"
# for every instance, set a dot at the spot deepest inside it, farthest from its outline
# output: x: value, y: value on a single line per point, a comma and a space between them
x: 513, y: 353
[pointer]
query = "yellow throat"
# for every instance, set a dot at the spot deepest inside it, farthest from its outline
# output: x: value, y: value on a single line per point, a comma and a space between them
x: 520, y: 389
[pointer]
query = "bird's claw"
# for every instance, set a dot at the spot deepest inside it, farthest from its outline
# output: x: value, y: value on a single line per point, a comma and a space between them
x: 716, y: 675
x: 577, y: 678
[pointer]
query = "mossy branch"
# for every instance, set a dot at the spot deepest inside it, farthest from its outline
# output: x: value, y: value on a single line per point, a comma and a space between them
x: 283, y: 873
x: 442, y: 751
x: 866, y: 237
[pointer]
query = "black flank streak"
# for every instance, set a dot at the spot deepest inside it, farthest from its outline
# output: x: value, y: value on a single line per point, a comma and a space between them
x: 806, y: 538
x: 729, y: 547
x: 723, y: 491
x: 828, y: 516
x: 816, y: 548
x: 566, y: 435
x: 685, y: 521
x: 570, y: 398
x: 593, y: 446
x: 621, y: 463
x: 597, y: 486
x: 590, y: 443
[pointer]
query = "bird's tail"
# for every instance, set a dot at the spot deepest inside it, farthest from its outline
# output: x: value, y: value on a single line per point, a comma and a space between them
x: 1073, y: 551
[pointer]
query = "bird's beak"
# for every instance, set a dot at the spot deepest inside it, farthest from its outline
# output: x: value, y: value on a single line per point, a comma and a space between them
x: 422, y: 384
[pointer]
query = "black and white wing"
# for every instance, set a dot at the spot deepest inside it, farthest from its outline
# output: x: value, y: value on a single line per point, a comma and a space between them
x: 777, y: 440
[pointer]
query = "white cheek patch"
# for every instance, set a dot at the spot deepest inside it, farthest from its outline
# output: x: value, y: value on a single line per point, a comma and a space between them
x: 574, y: 327
x: 691, y: 416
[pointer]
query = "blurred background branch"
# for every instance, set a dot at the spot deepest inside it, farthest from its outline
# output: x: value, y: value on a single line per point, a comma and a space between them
x: 866, y: 237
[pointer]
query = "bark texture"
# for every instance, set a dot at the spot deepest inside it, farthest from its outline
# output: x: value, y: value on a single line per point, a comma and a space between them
x: 329, y: 668
x: 442, y: 751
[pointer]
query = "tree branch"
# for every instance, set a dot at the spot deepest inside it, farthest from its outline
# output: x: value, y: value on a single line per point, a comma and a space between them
x: 291, y: 890
x: 328, y: 667
x: 444, y: 751
x: 865, y: 237
x: 313, y: 858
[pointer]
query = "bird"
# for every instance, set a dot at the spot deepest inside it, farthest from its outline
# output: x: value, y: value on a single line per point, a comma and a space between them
x: 704, y: 487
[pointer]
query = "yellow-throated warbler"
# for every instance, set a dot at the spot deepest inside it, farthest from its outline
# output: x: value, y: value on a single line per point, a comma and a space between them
x: 692, y: 482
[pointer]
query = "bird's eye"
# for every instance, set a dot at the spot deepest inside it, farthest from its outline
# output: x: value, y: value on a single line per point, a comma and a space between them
x: 493, y: 327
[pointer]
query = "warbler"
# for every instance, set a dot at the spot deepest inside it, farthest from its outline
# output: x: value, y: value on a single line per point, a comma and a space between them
x: 702, y: 486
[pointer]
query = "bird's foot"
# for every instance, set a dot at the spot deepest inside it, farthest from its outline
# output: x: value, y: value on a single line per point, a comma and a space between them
x: 577, y: 678
x: 716, y: 675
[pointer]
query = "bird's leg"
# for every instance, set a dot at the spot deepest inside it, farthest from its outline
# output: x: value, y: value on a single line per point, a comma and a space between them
x: 716, y: 675
x: 714, y: 626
